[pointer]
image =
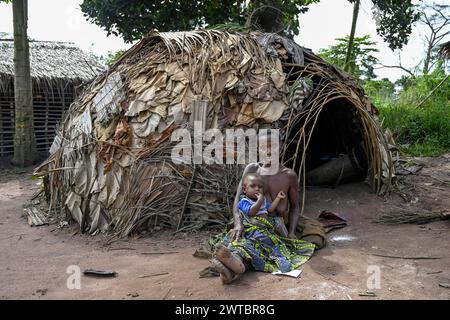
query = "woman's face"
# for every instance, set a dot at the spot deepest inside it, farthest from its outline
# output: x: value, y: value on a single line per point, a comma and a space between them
x: 265, y: 149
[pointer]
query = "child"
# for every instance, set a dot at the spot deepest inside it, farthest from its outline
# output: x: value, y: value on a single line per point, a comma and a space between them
x: 254, y: 203
x: 264, y: 244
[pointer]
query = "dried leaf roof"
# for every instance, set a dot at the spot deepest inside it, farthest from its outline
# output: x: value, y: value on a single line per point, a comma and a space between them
x: 51, y: 60
x: 111, y: 168
x: 445, y: 50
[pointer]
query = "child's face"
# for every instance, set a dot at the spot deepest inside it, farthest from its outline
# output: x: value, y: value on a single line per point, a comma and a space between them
x: 253, y: 186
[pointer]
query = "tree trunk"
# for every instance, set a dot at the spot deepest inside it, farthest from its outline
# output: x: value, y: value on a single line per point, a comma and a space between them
x: 426, y: 62
x: 24, y: 139
x: 351, y: 39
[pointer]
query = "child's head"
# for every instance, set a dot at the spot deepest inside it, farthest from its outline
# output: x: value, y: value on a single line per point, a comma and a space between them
x: 252, y: 185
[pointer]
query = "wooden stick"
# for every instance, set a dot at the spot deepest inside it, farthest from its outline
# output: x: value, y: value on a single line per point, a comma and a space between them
x: 167, y: 294
x: 329, y: 278
x: 400, y: 257
x: 153, y: 275
x: 435, y: 272
x: 186, y: 198
x: 162, y: 252
x: 432, y: 91
x: 124, y: 248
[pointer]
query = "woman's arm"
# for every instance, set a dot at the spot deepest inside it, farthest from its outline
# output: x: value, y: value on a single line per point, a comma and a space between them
x: 274, y: 205
x: 294, y: 213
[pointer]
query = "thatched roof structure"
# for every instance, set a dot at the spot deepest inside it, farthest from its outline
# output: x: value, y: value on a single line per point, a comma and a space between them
x: 111, y: 166
x: 58, y: 70
x: 444, y: 50
x: 50, y: 61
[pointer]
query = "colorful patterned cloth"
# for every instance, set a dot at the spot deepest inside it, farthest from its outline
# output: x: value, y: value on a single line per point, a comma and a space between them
x: 267, y: 251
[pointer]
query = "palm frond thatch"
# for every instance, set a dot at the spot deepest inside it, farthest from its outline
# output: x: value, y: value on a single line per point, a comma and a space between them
x: 411, y: 216
x: 444, y: 50
x: 51, y: 60
x: 111, y: 167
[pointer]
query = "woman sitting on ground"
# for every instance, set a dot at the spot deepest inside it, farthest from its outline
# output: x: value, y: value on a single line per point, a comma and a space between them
x: 265, y: 244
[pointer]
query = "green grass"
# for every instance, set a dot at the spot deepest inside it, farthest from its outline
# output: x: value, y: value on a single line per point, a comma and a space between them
x: 423, y: 131
x: 423, y: 150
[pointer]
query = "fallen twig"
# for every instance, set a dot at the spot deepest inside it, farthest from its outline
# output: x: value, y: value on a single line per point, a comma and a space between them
x: 161, y: 252
x: 124, y: 248
x: 153, y: 275
x: 437, y: 179
x: 100, y: 273
x: 167, y: 294
x: 403, y: 257
x: 328, y: 278
x: 367, y: 294
x: 434, y: 272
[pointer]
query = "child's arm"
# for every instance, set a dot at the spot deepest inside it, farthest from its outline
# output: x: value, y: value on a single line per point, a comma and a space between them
x: 276, y: 202
x: 256, y: 206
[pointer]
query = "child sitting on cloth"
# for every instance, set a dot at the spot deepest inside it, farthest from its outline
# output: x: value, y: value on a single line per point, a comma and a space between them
x: 254, y: 203
x: 264, y: 243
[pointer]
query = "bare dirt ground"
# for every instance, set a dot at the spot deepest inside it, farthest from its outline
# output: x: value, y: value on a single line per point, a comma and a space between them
x: 34, y: 261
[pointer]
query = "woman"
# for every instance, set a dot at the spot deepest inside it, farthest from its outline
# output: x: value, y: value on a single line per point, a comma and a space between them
x: 260, y: 246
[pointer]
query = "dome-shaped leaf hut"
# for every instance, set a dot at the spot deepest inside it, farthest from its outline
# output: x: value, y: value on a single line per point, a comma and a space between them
x: 110, y: 167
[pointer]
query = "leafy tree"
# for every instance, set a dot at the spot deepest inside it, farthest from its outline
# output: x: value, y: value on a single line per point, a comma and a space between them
x: 362, y: 60
x: 404, y: 82
x: 436, y: 18
x: 380, y: 91
x: 112, y: 57
x: 133, y: 19
x: 394, y: 20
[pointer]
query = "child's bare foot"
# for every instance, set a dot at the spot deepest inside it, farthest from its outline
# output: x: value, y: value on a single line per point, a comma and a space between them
x: 226, y: 275
x: 230, y: 260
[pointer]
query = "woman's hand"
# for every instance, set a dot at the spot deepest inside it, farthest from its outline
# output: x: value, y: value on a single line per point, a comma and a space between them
x: 236, y: 233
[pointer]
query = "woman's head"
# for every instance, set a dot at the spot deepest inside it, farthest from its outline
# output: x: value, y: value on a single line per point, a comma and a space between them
x: 252, y: 185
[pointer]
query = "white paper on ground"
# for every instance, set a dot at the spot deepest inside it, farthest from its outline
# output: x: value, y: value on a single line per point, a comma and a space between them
x: 293, y: 273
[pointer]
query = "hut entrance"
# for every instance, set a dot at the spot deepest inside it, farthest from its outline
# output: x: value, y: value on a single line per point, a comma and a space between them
x: 335, y: 153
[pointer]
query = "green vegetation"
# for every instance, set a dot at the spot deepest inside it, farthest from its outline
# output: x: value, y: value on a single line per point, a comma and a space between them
x: 418, y: 131
x: 113, y: 56
x: 133, y: 19
x: 417, y: 113
x: 362, y: 59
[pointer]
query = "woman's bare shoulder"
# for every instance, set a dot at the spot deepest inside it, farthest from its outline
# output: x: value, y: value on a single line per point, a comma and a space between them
x: 289, y: 172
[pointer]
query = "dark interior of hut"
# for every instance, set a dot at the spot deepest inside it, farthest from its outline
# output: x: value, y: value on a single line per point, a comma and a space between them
x: 335, y: 154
